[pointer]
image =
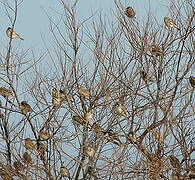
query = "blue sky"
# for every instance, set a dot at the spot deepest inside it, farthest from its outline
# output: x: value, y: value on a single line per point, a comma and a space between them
x: 33, y: 24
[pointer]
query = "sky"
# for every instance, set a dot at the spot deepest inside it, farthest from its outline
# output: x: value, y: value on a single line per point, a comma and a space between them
x: 33, y: 23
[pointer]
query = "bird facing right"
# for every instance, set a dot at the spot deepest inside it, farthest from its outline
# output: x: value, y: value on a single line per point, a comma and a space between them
x: 12, y: 34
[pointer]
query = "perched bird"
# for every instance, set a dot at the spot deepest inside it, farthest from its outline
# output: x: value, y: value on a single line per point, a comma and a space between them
x: 64, y: 172
x: 18, y: 165
x: 88, y: 116
x: 191, y: 172
x: 169, y: 22
x: 130, y: 12
x: 156, y: 50
x: 174, y: 162
x: 192, y: 81
x: 64, y: 96
x: 28, y: 143
x: 5, y: 92
x: 25, y: 107
x: 77, y: 120
x: 89, y: 151
x: 27, y: 158
x: 56, y: 97
x: 41, y: 148
x: 97, y: 129
x: 147, y: 77
x: 44, y: 135
x: 12, y: 34
x: 177, y: 176
x: 84, y: 92
x: 118, y: 109
x: 159, y: 136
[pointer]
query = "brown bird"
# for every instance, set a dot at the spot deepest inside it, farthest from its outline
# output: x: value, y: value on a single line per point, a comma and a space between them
x: 64, y: 172
x: 25, y: 107
x: 89, y: 151
x: 44, y: 135
x: 77, y: 120
x: 156, y: 50
x: 56, y: 98
x: 192, y: 81
x: 88, y: 116
x: 191, y: 172
x: 5, y: 92
x: 27, y: 158
x: 12, y: 34
x: 146, y: 76
x: 18, y: 166
x: 174, y: 162
x: 41, y: 148
x: 28, y: 143
x: 130, y: 12
x: 118, y: 109
x: 84, y: 92
x: 98, y: 130
x: 169, y: 22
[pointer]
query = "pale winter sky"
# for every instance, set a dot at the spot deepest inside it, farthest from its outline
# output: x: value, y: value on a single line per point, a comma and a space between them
x: 33, y: 24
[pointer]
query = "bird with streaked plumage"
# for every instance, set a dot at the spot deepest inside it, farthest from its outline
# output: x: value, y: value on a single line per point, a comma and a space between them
x: 192, y: 81
x: 44, y: 135
x: 12, y: 34
x: 64, y: 171
x: 28, y: 144
x: 25, y: 107
x: 169, y: 22
x: 130, y: 12
x: 27, y: 158
x: 156, y: 50
x: 5, y: 92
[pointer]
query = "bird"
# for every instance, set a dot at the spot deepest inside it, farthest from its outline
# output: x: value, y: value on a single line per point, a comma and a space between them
x: 146, y: 76
x: 118, y: 109
x: 156, y: 50
x: 191, y: 171
x: 130, y: 12
x: 88, y: 116
x: 41, y: 148
x: 5, y: 92
x: 98, y: 130
x: 192, y: 81
x: 64, y: 172
x: 174, y: 162
x: 56, y: 97
x: 77, y: 120
x: 18, y: 166
x: 169, y: 22
x: 89, y: 151
x: 177, y: 176
x: 84, y: 92
x: 12, y: 34
x: 44, y: 135
x: 27, y: 158
x: 25, y: 107
x: 28, y: 143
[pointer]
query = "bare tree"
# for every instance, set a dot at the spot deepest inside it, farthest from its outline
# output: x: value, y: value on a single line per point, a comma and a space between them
x: 112, y: 99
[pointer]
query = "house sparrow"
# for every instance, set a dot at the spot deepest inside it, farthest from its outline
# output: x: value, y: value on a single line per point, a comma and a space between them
x: 64, y: 172
x: 156, y: 51
x: 5, y: 92
x: 84, y: 92
x: 12, y: 34
x: 130, y: 12
x: 44, y: 135
x: 25, y: 107
x: 192, y: 81
x: 27, y: 158
x: 28, y: 143
x: 169, y: 22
